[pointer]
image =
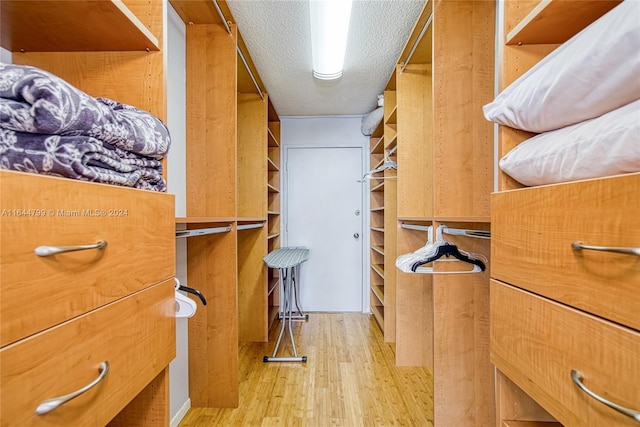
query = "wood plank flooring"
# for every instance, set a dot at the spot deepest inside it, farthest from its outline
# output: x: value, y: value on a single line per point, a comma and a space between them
x: 350, y: 380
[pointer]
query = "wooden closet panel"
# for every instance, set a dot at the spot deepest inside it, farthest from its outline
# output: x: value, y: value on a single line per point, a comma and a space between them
x: 414, y: 307
x: 211, y: 121
x: 252, y: 152
x: 252, y: 285
x: 463, y: 374
x: 463, y: 75
x: 415, y: 127
x: 534, y: 228
x: 134, y: 78
x: 514, y: 404
x: 390, y: 254
x: 213, y: 330
x: 537, y: 342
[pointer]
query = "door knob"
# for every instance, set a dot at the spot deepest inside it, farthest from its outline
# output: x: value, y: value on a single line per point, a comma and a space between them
x: 356, y: 235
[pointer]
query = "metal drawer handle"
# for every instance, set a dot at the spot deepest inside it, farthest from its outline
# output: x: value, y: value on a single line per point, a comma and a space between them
x: 53, y: 250
x: 51, y: 404
x: 577, y: 380
x: 628, y: 251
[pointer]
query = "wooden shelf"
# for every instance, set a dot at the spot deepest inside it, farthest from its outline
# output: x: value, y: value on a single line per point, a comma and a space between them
x: 378, y: 314
x: 378, y: 229
x: 378, y: 269
x: 378, y: 291
x: 393, y: 117
x: 273, y: 142
x: 378, y: 248
x: 378, y: 209
x: 272, y: 189
x: 555, y: 21
x: 377, y: 147
x: 273, y: 213
x: 378, y: 187
x: 393, y: 141
x: 272, y: 165
x: 273, y: 236
x: 73, y: 26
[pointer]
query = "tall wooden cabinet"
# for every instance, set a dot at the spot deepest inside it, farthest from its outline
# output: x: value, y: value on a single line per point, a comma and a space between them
x: 445, y: 176
x: 557, y: 311
x: 110, y: 305
x: 233, y: 181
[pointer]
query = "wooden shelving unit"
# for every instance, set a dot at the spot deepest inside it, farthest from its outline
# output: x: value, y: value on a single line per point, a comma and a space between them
x: 533, y: 29
x: 232, y: 172
x: 444, y: 150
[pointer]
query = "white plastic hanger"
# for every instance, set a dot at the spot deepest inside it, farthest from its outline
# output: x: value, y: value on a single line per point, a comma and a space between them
x: 388, y: 164
x: 185, y: 307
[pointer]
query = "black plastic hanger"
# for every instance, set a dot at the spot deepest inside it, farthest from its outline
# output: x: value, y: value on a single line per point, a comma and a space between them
x: 448, y: 249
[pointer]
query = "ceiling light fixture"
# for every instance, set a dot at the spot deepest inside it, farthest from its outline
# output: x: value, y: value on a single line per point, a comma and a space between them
x: 329, y: 29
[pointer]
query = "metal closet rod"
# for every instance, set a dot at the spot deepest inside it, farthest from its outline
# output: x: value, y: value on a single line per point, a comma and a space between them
x: 480, y: 234
x: 244, y: 61
x: 415, y: 44
x: 224, y: 19
x: 250, y: 226
x: 202, y: 231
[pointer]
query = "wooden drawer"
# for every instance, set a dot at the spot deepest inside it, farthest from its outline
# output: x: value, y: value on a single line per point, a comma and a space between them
x: 39, y: 292
x: 136, y: 335
x: 537, y: 342
x: 532, y: 231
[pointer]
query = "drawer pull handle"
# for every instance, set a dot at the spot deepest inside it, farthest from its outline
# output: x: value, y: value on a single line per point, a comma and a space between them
x: 53, y: 250
x: 577, y: 380
x: 628, y: 251
x: 51, y: 404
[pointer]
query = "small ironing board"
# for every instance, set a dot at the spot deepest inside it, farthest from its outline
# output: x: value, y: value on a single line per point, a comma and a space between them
x: 287, y: 261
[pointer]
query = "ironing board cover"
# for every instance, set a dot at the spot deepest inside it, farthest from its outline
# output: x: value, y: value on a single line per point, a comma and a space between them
x: 286, y: 257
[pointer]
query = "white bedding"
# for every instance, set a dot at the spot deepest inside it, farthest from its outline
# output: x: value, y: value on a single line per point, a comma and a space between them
x: 595, y: 72
x: 604, y: 146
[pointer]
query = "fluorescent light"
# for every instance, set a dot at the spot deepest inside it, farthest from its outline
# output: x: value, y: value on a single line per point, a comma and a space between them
x: 329, y: 29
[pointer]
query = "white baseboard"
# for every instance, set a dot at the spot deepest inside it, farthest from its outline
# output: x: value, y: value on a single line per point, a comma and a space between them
x: 181, y: 413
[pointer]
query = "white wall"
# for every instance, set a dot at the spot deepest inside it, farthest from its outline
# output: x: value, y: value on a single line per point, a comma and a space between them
x: 329, y: 131
x: 176, y: 182
x: 5, y: 56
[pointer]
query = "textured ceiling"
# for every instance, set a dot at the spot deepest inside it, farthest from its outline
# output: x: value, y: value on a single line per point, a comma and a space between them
x: 277, y: 36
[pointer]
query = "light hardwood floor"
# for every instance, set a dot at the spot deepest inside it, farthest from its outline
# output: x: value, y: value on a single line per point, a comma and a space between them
x: 350, y: 379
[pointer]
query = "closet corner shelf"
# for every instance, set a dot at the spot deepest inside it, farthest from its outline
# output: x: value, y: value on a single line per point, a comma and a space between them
x: 555, y: 22
x: 381, y: 230
x: 73, y: 26
x: 378, y: 209
x: 272, y: 236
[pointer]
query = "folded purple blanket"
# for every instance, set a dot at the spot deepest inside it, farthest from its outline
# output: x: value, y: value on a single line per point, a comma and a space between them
x: 35, y: 101
x: 78, y: 157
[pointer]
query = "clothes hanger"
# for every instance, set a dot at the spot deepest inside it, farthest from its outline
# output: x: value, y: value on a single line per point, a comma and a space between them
x: 404, y: 262
x: 185, y: 307
x: 447, y: 249
x: 387, y: 164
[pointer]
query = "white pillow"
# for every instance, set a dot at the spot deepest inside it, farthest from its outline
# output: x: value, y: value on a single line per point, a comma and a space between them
x: 604, y: 146
x: 596, y: 71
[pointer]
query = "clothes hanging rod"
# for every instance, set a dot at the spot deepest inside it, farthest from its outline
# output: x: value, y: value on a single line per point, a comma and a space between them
x: 250, y: 226
x: 480, y: 234
x: 415, y: 227
x: 224, y: 19
x: 415, y: 44
x: 244, y: 61
x: 202, y: 231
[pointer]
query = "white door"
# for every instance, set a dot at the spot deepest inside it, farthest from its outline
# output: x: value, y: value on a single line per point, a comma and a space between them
x: 324, y: 213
